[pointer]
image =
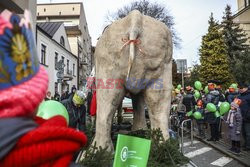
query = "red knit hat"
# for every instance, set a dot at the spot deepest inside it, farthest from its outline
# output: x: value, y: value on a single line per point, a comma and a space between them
x: 23, y: 82
x: 52, y: 144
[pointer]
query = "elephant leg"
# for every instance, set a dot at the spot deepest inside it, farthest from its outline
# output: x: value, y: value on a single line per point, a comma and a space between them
x: 108, y: 101
x: 139, y: 121
x: 158, y: 103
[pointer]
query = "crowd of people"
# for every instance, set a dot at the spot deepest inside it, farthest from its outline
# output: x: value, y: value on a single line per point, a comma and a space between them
x: 79, y: 105
x: 237, y: 118
x: 65, y: 95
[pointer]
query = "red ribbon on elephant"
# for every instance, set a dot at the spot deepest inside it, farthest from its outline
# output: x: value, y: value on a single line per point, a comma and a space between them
x: 135, y: 41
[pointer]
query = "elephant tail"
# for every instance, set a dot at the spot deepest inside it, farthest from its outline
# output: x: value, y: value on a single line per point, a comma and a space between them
x: 135, y: 29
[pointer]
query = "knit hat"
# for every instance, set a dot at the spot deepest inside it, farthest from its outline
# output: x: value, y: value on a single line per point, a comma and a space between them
x: 235, y: 105
x: 23, y: 82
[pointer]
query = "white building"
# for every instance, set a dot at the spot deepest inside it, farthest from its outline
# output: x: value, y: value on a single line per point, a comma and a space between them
x: 243, y: 17
x: 73, y: 16
x: 53, y: 46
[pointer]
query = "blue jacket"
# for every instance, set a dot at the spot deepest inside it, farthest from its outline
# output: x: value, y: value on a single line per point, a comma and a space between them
x: 245, y: 106
x: 232, y: 96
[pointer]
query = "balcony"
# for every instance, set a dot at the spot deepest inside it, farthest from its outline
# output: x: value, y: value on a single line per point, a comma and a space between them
x: 73, y: 30
x: 83, y: 62
x: 68, y: 76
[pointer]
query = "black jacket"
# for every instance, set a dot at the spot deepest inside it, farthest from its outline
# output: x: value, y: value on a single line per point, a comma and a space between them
x: 189, y: 101
x: 221, y: 95
x: 77, y: 115
x: 245, y: 106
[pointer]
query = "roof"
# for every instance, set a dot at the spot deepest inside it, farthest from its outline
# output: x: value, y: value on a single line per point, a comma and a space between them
x: 50, y: 27
x: 47, y: 34
x: 12, y: 6
x: 60, y: 3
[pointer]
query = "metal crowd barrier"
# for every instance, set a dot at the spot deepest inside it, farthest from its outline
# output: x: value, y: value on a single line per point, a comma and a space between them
x: 191, y: 132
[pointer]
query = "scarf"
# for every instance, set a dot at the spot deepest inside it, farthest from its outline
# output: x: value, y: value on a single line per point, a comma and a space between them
x: 52, y: 144
x: 230, y: 117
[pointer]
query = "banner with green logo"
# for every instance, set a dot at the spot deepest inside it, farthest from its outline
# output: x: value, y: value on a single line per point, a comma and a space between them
x: 131, y: 151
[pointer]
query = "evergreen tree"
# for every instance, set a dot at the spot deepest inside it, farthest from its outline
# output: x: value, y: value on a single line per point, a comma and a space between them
x: 213, y: 55
x: 242, y: 68
x: 195, y: 75
x: 235, y: 40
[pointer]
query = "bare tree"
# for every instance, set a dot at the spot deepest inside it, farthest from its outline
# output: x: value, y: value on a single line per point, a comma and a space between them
x: 155, y: 10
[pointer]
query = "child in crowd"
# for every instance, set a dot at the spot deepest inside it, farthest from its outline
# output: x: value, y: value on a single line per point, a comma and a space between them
x: 201, y: 123
x: 234, y: 121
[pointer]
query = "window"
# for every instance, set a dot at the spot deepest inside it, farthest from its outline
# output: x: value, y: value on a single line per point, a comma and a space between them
x: 74, y: 69
x: 73, y: 8
x: 62, y: 41
x: 63, y: 59
x: 44, y: 9
x: 43, y: 54
x: 67, y: 65
x: 56, y: 58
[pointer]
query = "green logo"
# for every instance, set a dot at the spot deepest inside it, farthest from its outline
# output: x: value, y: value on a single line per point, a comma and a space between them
x: 124, y: 154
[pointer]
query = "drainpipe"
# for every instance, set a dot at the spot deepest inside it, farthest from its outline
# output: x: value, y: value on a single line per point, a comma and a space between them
x: 78, y: 67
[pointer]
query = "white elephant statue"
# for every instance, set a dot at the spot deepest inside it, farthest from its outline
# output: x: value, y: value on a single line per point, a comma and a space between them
x: 134, y: 54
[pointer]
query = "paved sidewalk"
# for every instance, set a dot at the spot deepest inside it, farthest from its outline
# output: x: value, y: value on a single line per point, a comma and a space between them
x: 243, y: 157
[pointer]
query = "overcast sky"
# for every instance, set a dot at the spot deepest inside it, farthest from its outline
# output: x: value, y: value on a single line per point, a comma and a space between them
x: 190, y: 16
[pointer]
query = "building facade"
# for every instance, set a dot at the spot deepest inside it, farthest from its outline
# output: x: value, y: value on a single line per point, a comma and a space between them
x: 73, y: 17
x: 55, y: 55
x: 243, y: 17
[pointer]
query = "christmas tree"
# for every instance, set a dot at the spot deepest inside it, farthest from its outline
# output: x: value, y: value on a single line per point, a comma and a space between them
x: 213, y: 55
